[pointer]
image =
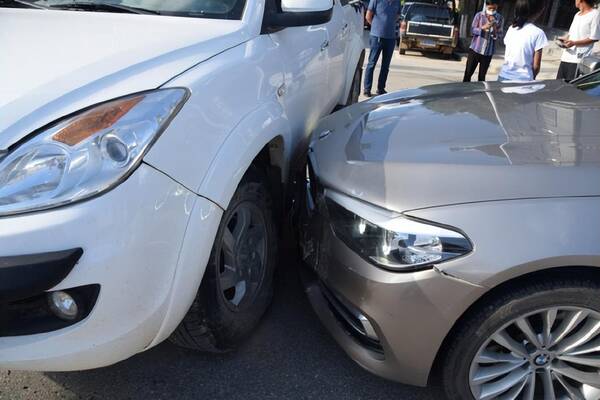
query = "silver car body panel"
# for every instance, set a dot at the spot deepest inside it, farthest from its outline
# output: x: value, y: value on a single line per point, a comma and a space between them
x: 511, y: 240
x: 514, y: 167
x: 410, y: 313
x: 453, y: 144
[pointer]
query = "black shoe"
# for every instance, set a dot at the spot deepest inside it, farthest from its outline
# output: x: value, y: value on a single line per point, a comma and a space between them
x: 380, y: 92
x: 368, y: 94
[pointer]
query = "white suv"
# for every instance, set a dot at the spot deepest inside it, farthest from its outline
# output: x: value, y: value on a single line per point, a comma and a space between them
x: 145, y: 149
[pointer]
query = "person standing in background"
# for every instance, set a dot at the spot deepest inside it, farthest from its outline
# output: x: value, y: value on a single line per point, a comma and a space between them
x: 524, y: 43
x: 488, y: 28
x: 382, y: 16
x: 584, y: 32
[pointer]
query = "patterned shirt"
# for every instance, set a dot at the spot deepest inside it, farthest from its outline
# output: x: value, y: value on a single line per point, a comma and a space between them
x: 484, y: 42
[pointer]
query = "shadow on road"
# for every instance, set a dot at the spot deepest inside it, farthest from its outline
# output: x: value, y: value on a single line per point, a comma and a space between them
x: 432, y: 55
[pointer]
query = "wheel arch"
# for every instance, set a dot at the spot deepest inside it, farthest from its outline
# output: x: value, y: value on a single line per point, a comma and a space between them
x: 262, y: 139
x: 272, y: 161
x: 267, y: 152
x: 358, y: 55
x: 554, y: 273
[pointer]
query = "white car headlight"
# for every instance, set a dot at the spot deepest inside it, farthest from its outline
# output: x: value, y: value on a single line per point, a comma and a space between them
x: 390, y: 240
x: 86, y: 154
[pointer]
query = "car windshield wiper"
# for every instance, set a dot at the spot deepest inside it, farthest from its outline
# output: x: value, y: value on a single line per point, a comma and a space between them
x: 17, y: 3
x: 91, y: 6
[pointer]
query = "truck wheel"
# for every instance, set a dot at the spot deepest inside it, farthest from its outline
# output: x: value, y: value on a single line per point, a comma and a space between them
x: 238, y: 283
x: 539, y: 341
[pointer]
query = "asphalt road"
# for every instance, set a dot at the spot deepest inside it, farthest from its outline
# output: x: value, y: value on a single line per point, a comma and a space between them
x: 416, y: 69
x: 290, y: 356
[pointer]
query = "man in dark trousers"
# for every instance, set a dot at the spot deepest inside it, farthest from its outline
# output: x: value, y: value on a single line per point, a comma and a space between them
x: 382, y: 15
x: 488, y: 29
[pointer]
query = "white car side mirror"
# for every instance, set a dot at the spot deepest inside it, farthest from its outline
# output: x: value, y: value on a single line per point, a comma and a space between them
x: 296, y: 13
x: 296, y: 6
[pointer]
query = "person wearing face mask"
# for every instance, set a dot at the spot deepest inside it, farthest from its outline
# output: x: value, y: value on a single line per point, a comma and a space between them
x: 488, y: 28
x: 584, y: 32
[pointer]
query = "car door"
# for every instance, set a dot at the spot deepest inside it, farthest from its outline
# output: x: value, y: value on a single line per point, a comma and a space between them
x: 354, y: 41
x: 338, y: 32
x: 305, y: 94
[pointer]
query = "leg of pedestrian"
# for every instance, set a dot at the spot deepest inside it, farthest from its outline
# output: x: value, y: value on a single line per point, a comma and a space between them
x: 567, y: 71
x: 484, y: 66
x: 388, y: 45
x: 472, y: 62
x: 374, y: 43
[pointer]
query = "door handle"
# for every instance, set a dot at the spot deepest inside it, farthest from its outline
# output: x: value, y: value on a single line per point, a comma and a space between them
x: 325, y: 45
x: 344, y: 31
x: 281, y: 90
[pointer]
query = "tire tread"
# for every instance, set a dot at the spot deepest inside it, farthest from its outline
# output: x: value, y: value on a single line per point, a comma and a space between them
x: 203, y: 328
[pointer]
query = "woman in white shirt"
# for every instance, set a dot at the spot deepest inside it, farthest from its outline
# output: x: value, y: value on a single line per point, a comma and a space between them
x: 584, y: 32
x: 524, y: 43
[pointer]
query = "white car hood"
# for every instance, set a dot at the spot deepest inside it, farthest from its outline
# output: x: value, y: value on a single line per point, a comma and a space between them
x: 54, y: 63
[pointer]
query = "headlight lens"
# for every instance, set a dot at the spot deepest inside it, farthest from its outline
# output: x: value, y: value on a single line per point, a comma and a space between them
x: 403, y: 244
x: 86, y: 154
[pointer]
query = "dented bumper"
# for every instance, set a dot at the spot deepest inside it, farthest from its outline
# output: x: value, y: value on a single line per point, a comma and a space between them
x: 391, y: 323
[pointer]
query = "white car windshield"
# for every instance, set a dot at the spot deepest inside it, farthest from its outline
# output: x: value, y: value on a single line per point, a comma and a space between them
x: 220, y: 9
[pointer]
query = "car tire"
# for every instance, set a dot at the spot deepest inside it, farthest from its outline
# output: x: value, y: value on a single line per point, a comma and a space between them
x: 402, y: 52
x: 232, y: 298
x: 354, y: 94
x: 497, y: 318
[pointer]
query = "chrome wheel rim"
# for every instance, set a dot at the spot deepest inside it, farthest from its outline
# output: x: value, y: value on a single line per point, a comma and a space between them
x: 549, y: 354
x: 243, y: 255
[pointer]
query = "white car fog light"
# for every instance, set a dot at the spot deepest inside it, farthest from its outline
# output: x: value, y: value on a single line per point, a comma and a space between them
x: 63, y: 305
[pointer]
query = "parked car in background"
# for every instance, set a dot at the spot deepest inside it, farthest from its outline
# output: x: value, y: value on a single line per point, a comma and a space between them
x: 428, y: 27
x: 452, y: 236
x: 145, y: 151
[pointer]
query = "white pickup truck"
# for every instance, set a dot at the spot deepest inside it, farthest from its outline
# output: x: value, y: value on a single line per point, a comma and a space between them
x: 145, y: 147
